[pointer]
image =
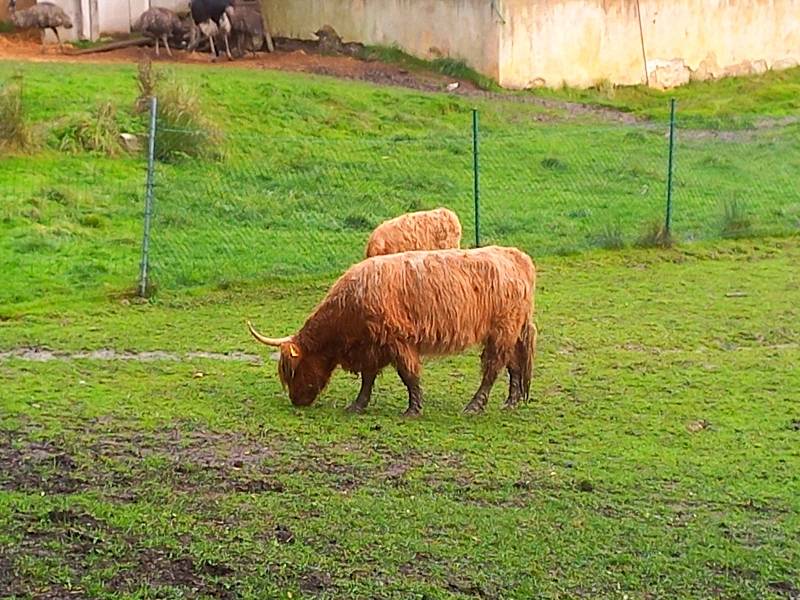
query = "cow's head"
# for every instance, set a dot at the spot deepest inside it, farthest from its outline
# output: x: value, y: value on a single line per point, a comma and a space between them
x: 305, y: 374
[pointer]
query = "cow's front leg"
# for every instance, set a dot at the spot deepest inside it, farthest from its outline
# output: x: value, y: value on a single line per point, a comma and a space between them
x: 365, y: 393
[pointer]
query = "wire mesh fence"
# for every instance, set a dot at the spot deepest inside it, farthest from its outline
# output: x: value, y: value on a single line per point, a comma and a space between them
x: 302, y: 206
x: 288, y: 207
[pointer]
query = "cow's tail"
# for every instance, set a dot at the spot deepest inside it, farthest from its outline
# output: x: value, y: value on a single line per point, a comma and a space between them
x: 526, y: 352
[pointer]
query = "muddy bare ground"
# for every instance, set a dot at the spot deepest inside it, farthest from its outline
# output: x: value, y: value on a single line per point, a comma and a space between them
x: 107, y: 459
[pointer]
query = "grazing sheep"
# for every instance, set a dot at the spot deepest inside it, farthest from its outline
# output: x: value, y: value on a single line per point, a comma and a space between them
x: 248, y: 31
x: 159, y: 23
x: 393, y: 309
x: 424, y: 230
x: 42, y: 16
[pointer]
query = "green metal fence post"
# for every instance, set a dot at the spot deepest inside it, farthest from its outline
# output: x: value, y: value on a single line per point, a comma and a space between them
x: 148, y: 199
x: 668, y: 219
x: 476, y: 189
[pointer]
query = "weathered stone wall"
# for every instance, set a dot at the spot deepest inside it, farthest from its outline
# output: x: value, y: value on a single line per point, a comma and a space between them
x: 524, y: 43
x: 464, y: 29
x: 548, y: 42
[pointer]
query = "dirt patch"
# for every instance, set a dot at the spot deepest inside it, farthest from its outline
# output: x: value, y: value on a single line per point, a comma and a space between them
x: 290, y: 55
x: 79, y: 543
x: 40, y: 466
x: 157, y: 568
x: 35, y: 354
x: 315, y: 582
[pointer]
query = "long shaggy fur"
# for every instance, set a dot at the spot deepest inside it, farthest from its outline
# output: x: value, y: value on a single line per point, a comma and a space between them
x: 437, y: 229
x: 392, y: 309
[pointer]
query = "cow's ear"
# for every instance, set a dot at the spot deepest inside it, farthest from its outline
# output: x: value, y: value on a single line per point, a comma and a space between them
x: 291, y: 351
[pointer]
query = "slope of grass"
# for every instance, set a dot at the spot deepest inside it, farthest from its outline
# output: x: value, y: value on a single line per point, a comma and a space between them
x: 732, y: 101
x: 658, y: 458
x: 311, y: 165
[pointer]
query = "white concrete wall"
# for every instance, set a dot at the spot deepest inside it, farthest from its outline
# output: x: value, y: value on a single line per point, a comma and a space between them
x: 526, y: 43
x: 582, y: 41
x: 462, y: 29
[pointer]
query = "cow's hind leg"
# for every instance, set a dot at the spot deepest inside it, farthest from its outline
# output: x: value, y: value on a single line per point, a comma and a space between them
x: 514, y: 386
x: 520, y: 368
x: 365, y: 393
x: 408, y: 368
x: 493, y: 359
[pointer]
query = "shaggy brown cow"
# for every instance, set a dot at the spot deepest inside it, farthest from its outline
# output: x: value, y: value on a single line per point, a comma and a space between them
x: 392, y: 309
x: 437, y: 229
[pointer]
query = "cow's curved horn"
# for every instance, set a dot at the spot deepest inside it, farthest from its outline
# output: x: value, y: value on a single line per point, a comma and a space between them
x: 265, y: 340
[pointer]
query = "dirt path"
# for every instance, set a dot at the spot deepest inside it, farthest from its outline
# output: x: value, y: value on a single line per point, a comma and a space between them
x: 104, y: 354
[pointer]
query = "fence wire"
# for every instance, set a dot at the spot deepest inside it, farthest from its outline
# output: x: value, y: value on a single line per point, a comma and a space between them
x: 289, y: 207
x: 295, y: 207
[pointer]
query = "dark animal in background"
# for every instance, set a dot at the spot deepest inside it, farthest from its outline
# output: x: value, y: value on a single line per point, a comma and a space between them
x: 42, y: 16
x: 159, y: 24
x: 212, y: 18
x: 248, y: 31
x: 331, y: 42
x: 393, y: 309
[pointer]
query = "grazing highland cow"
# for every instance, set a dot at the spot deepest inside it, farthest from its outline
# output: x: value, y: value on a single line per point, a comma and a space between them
x: 393, y: 309
x: 437, y: 229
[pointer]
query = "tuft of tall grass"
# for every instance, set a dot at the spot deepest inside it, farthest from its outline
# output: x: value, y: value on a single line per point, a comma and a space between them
x: 183, y: 130
x: 655, y: 235
x: 96, y: 131
x: 16, y: 134
x: 611, y: 237
x: 735, y: 221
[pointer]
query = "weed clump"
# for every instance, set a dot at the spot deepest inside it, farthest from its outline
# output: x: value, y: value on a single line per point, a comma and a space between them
x: 95, y: 131
x: 655, y: 235
x: 735, y: 222
x: 183, y: 130
x: 611, y: 237
x: 16, y: 134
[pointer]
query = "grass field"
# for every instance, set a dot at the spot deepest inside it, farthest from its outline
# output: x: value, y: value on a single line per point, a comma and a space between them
x: 148, y: 451
x: 729, y: 102
x: 332, y: 159
x: 659, y: 457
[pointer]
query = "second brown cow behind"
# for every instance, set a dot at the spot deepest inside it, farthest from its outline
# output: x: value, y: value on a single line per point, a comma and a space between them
x: 437, y: 229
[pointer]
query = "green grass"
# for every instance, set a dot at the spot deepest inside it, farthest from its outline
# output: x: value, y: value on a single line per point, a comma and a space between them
x: 332, y: 159
x: 659, y: 456
x: 447, y: 66
x: 732, y: 101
